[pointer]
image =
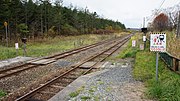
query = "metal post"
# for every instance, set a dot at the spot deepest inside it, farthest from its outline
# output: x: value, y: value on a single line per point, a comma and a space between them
x: 17, y: 52
x: 6, y: 36
x: 157, y: 57
x: 5, y: 24
x: 24, y: 48
x: 144, y: 23
x: 144, y: 34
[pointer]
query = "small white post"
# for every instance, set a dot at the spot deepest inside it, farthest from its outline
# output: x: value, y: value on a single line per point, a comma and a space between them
x: 16, y: 47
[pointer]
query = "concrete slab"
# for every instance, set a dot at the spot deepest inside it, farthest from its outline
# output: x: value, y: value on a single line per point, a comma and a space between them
x: 100, y: 65
x: 42, y: 61
x: 62, y: 63
x: 87, y: 65
x: 14, y: 60
x: 107, y: 53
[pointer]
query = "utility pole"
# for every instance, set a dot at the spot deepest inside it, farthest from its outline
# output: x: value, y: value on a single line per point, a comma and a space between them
x: 26, y: 19
x: 144, y: 23
x: 144, y: 30
x: 178, y: 26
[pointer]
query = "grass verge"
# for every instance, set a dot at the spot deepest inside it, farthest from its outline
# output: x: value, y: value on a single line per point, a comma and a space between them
x: 131, y: 51
x: 168, y: 86
x: 49, y: 46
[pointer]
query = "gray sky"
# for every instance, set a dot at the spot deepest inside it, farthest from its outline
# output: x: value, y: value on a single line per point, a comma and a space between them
x: 129, y: 12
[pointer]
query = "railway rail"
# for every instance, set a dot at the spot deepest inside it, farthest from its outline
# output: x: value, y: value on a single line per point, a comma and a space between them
x: 48, y: 89
x: 29, y: 65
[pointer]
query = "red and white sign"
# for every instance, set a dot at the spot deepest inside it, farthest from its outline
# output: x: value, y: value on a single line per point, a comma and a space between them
x: 158, y: 42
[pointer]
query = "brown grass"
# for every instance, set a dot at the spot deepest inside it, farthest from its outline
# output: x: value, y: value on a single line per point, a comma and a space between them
x: 173, y: 44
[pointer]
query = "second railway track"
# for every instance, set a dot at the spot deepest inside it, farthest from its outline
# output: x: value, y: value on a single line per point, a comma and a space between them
x: 30, y: 65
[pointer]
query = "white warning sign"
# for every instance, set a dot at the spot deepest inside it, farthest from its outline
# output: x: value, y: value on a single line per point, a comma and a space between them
x: 158, y: 42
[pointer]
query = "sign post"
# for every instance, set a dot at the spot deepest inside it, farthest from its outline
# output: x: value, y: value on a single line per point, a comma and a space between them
x: 24, y: 40
x: 157, y: 44
x: 144, y: 30
x: 157, y: 58
x: 5, y: 24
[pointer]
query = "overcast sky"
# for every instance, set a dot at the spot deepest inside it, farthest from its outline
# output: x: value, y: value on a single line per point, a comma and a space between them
x: 129, y: 12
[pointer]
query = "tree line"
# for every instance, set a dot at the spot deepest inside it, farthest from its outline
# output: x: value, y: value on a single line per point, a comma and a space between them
x: 41, y: 18
x: 165, y: 19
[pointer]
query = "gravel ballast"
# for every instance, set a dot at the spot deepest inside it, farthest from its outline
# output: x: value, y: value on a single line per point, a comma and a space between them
x: 114, y: 83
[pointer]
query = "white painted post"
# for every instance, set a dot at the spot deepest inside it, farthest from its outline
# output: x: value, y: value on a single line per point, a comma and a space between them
x: 16, y: 47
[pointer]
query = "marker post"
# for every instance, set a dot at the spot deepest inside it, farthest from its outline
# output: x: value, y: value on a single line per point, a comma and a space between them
x: 17, y: 47
x: 5, y: 24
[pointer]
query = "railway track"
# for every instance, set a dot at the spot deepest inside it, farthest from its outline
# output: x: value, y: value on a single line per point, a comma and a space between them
x: 48, y: 89
x: 29, y: 65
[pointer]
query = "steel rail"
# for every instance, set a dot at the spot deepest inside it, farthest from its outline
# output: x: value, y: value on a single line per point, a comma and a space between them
x: 62, y: 55
x: 81, y: 48
x: 43, y: 86
x: 5, y: 70
x: 12, y: 72
x: 97, y: 64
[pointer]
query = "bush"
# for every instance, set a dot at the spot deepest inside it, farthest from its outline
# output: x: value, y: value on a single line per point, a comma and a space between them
x: 69, y: 30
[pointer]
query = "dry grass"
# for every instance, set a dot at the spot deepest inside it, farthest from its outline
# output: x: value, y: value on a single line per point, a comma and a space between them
x: 48, y: 46
x: 173, y: 44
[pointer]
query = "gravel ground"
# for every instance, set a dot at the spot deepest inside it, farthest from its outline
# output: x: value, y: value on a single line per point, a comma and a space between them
x: 116, y: 84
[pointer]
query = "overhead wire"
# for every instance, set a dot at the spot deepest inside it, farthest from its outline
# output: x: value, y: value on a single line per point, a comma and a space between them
x: 157, y: 10
x: 161, y: 5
